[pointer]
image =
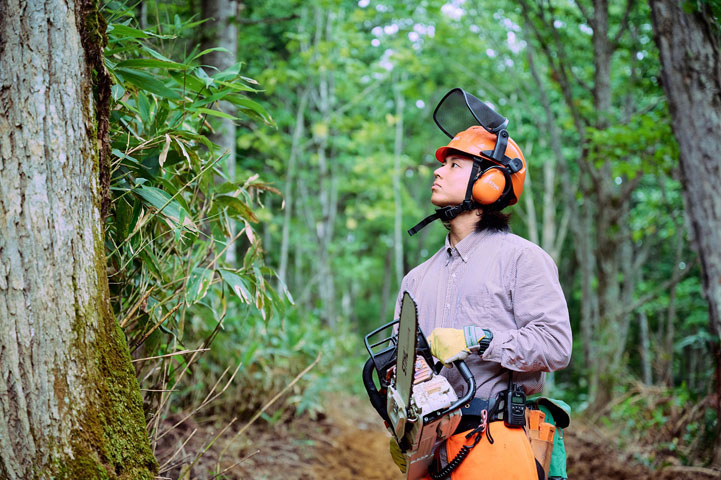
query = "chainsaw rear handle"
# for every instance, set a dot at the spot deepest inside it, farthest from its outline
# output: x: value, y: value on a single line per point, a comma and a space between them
x: 378, y: 402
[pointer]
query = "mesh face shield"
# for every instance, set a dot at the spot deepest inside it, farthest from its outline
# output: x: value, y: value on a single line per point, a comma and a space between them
x: 459, y: 110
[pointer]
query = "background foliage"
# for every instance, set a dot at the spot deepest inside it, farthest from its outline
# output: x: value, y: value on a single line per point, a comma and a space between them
x: 335, y: 147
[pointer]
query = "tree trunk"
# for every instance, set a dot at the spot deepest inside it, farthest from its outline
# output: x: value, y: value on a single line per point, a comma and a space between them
x: 645, y: 348
x: 326, y: 182
x: 397, y: 151
x: 688, y: 44
x: 70, y: 406
x: 289, y: 200
x: 222, y: 31
x: 596, y: 223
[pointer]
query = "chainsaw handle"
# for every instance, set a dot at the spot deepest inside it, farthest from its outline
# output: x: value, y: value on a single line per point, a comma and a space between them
x: 470, y: 381
x: 376, y: 399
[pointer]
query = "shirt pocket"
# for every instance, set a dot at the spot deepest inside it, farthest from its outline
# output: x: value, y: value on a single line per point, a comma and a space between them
x: 474, y: 308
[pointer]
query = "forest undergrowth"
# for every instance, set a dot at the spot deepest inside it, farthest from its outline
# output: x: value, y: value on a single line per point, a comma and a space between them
x: 241, y: 380
x: 348, y: 441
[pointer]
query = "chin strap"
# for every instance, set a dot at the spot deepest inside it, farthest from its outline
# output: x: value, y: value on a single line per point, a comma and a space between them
x: 450, y: 212
x: 446, y: 214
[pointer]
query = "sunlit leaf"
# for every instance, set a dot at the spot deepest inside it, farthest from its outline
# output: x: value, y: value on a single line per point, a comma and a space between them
x: 198, y: 284
x: 167, y: 207
x: 237, y: 284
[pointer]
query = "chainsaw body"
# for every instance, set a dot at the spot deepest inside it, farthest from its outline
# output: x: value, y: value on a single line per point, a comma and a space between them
x: 425, y: 413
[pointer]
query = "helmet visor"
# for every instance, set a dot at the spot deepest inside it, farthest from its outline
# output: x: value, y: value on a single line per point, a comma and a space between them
x: 459, y: 110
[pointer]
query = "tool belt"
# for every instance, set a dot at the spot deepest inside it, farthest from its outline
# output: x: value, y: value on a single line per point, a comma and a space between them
x: 557, y: 413
x: 536, y: 451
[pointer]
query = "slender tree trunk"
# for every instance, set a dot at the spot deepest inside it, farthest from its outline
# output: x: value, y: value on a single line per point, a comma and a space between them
x: 222, y: 31
x: 397, y: 152
x: 688, y: 44
x: 386, y: 289
x: 324, y: 228
x: 553, y: 233
x: 70, y: 406
x: 596, y: 231
x: 645, y: 349
x: 289, y: 180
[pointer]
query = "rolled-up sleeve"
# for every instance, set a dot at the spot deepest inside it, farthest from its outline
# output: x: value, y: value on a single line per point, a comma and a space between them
x: 542, y: 340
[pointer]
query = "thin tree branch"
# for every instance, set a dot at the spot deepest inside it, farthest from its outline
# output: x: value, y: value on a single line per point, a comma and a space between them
x: 675, y: 278
x: 624, y: 25
x: 559, y: 72
x: 586, y: 14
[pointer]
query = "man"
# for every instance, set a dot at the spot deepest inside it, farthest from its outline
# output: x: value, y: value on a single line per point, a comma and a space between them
x: 488, y: 296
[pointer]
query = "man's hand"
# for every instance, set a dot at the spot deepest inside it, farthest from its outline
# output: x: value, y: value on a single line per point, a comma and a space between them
x: 397, y: 455
x: 451, y: 344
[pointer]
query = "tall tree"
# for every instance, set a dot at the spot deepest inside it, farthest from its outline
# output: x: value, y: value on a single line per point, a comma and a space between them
x: 689, y: 43
x: 70, y: 406
x: 602, y: 118
x: 222, y: 31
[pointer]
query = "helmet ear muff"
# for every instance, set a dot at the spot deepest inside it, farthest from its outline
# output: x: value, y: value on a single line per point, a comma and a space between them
x: 493, y: 186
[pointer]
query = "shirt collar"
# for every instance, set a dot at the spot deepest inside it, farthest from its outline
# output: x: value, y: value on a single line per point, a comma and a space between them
x: 465, y: 247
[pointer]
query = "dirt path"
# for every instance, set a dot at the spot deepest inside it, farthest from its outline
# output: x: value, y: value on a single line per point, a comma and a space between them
x: 350, y: 443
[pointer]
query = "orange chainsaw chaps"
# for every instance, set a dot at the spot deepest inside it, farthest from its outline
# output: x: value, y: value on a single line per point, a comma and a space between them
x: 510, y: 457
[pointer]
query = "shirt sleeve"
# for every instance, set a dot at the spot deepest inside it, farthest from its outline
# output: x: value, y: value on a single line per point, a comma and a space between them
x: 543, y: 339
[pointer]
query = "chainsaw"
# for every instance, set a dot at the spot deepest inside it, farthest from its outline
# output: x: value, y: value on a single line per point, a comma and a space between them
x: 419, y: 406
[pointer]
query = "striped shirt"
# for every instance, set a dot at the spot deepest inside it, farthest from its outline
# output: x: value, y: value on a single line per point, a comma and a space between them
x: 508, y: 285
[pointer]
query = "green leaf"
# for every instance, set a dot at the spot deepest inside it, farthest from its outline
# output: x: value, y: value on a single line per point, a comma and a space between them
x: 151, y: 263
x: 146, y: 81
x: 212, y: 98
x: 144, y: 107
x: 236, y: 206
x: 248, y: 104
x: 124, y: 31
x: 117, y: 91
x: 187, y: 81
x: 205, y: 52
x: 237, y: 284
x: 232, y: 84
x: 151, y: 63
x: 198, y: 284
x: 168, y: 207
x: 216, y: 113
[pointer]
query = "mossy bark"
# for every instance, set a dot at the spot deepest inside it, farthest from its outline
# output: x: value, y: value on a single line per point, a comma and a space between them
x: 70, y: 405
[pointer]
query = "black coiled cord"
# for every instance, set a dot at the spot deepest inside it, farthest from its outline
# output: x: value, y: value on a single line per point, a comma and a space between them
x: 453, y: 464
x: 463, y: 452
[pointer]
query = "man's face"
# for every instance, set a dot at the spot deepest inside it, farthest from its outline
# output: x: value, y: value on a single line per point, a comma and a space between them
x: 451, y: 181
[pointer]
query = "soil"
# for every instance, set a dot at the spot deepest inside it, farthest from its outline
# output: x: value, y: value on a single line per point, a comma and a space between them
x: 349, y: 442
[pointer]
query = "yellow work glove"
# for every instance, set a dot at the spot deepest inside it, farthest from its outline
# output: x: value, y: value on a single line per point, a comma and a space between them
x: 451, y: 344
x: 398, y: 458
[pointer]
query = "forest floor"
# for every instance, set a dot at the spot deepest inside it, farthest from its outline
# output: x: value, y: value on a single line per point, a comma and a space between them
x: 349, y: 442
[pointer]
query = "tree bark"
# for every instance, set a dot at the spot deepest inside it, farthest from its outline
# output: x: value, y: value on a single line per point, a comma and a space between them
x: 70, y: 405
x: 222, y: 31
x: 688, y: 44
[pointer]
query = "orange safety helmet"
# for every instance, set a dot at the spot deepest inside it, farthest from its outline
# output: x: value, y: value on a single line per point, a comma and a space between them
x: 499, y: 168
x: 491, y: 187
